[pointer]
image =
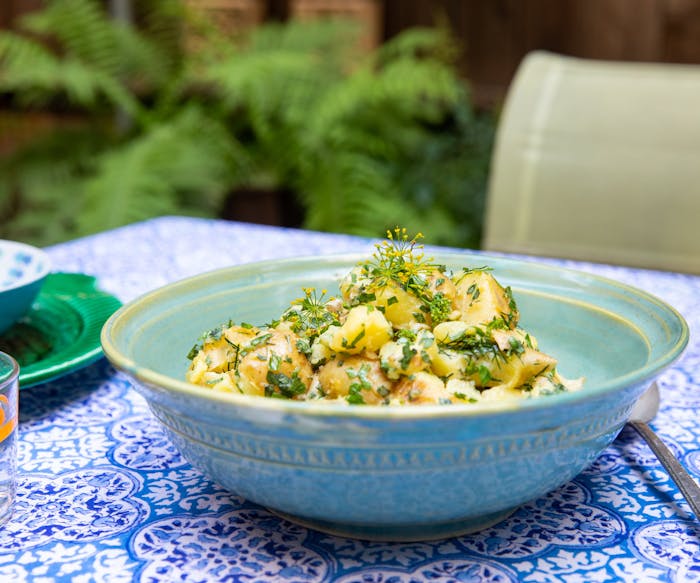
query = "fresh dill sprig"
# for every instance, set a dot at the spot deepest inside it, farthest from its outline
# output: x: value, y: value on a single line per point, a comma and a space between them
x: 398, y: 259
x: 309, y: 315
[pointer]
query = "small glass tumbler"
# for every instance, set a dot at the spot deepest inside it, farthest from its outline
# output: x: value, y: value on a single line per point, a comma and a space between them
x: 9, y: 386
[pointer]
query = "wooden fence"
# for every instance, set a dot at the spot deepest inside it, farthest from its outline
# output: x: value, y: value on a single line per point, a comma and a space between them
x: 496, y: 34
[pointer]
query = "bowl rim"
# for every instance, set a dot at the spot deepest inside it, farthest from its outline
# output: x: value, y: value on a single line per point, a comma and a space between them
x: 182, y: 388
x: 29, y: 277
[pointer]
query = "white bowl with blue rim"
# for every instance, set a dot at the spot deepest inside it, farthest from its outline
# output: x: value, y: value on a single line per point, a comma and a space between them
x: 397, y: 473
x: 23, y: 269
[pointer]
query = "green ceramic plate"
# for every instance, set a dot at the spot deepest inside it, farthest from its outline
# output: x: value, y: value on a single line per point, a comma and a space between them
x: 61, y: 333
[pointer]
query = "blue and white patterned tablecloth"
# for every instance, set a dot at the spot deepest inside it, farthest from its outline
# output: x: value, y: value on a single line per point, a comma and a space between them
x: 103, y: 495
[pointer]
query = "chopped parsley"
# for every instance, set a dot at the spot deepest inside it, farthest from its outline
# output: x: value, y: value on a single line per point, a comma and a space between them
x: 282, y: 386
x: 207, y: 337
x: 353, y: 343
x: 360, y: 383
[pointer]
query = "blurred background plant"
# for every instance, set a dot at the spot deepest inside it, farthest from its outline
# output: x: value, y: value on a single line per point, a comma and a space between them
x: 358, y: 141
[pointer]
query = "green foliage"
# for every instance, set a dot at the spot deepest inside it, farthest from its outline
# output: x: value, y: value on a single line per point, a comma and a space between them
x: 366, y: 142
x: 158, y: 171
x: 96, y: 55
x: 129, y: 159
x: 398, y: 143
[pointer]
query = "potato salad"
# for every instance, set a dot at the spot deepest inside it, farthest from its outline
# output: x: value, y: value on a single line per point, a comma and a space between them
x: 402, y: 331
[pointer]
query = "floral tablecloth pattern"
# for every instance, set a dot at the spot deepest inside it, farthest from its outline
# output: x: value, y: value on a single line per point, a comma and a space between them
x: 104, y: 496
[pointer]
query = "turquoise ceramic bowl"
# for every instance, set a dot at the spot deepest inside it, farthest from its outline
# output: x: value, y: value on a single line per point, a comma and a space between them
x: 23, y: 269
x: 396, y: 473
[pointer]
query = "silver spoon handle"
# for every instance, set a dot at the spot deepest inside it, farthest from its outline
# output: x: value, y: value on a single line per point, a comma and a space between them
x: 685, y: 482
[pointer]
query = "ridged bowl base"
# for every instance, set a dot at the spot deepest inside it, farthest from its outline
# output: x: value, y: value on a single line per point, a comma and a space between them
x: 400, y: 533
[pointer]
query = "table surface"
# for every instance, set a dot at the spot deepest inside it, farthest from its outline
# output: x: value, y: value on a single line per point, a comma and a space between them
x: 103, y: 495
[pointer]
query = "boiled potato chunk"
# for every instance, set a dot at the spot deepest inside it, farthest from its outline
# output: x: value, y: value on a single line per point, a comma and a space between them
x: 219, y: 353
x: 364, y: 329
x: 448, y: 363
x: 219, y: 382
x: 485, y: 371
x: 400, y: 307
x: 480, y: 299
x: 421, y: 389
x: 549, y: 383
x: 513, y: 340
x: 320, y: 349
x: 462, y: 391
x: 358, y: 379
x: 273, y: 351
x: 438, y: 282
x: 453, y: 331
x: 215, y: 357
x: 403, y: 357
x: 518, y: 370
x: 354, y: 284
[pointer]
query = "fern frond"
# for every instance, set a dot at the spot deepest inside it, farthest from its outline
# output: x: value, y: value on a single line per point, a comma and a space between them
x: 404, y: 93
x: 43, y: 220
x: 44, y: 183
x: 351, y: 192
x: 285, y: 66
x: 334, y: 41
x: 161, y: 21
x: 262, y: 80
x: 36, y: 76
x: 337, y: 198
x: 85, y: 32
x: 435, y: 43
x: 394, y: 143
x: 280, y: 71
x: 179, y: 166
x: 269, y: 89
x: 80, y: 29
x: 421, y: 90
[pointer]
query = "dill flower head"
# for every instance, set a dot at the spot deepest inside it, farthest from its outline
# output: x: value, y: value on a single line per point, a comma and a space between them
x: 398, y: 259
x: 309, y: 315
